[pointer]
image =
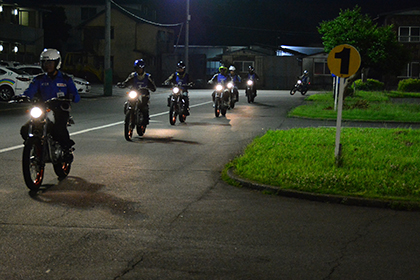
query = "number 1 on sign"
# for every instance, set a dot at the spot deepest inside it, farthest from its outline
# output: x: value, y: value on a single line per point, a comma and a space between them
x: 344, y: 55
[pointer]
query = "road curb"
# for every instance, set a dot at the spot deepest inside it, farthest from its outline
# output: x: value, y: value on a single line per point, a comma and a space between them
x: 326, y: 198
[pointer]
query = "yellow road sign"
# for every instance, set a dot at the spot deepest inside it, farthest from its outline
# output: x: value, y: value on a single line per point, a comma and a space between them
x: 344, y: 61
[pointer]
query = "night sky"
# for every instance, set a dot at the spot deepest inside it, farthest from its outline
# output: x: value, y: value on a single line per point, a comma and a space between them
x: 264, y: 22
x: 267, y: 22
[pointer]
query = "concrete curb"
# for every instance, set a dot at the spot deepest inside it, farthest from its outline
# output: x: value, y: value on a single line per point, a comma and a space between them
x: 351, y: 201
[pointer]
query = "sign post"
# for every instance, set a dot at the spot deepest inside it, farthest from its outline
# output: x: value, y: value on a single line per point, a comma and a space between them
x: 343, y: 61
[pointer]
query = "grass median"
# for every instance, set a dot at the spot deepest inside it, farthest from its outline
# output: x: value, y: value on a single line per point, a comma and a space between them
x: 377, y: 163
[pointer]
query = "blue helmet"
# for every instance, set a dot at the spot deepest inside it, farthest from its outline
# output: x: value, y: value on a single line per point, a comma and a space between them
x: 139, y: 63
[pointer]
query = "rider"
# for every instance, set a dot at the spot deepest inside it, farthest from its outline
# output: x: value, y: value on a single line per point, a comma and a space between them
x: 143, y: 82
x: 254, y: 77
x: 182, y: 79
x: 236, y: 79
x: 221, y: 78
x: 54, y: 84
x: 305, y: 78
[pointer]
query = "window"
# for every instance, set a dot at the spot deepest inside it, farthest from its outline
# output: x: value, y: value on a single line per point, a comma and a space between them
x: 242, y: 66
x: 415, y: 69
x: 409, y: 34
x: 321, y: 68
x: 212, y: 67
x: 24, y: 18
x: 412, y: 70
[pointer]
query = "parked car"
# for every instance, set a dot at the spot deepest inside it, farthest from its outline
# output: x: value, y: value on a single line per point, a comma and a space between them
x: 82, y: 85
x: 6, y: 63
x: 13, y: 82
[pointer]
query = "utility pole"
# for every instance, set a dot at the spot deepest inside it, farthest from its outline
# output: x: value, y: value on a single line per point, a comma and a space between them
x: 187, y: 35
x: 107, y: 55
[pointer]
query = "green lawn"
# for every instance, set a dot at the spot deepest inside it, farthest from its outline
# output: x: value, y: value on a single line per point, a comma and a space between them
x: 376, y: 163
x: 366, y: 106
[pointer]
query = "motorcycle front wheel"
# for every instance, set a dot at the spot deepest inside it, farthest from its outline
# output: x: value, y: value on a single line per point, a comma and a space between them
x: 217, y: 108
x: 128, y: 126
x: 33, y: 169
x: 248, y: 97
x: 223, y: 111
x: 141, y: 126
x: 172, y: 114
x: 232, y: 103
x: 293, y: 91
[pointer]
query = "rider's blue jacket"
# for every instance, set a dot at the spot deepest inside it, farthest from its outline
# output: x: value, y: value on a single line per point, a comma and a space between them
x: 236, y: 79
x: 140, y: 81
x: 220, y: 79
x: 61, y: 85
x: 181, y: 80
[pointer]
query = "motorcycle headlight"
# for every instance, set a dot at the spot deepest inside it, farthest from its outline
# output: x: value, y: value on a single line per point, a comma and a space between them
x: 36, y: 112
x: 299, y: 82
x: 175, y: 90
x: 230, y: 85
x: 250, y: 82
x: 219, y: 87
x: 132, y: 94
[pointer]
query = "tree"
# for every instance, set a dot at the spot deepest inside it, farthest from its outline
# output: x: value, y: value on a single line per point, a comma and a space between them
x: 378, y: 46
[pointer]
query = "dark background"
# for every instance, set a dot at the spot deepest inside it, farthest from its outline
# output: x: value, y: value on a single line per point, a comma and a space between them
x: 249, y: 22
x: 267, y: 22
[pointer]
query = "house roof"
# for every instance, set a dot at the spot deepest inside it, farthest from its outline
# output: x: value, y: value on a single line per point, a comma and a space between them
x: 412, y: 11
x: 131, y: 13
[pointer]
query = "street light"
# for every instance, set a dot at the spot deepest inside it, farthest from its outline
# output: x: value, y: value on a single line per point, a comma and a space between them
x: 187, y: 34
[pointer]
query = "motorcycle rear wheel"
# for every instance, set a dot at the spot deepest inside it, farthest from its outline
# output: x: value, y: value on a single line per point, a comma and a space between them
x: 182, y: 117
x: 33, y: 170
x: 62, y: 169
x: 128, y: 126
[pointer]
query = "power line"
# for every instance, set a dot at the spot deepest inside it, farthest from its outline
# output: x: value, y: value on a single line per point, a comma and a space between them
x: 145, y: 20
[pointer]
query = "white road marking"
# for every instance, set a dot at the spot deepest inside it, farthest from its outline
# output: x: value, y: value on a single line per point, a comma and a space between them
x: 98, y: 127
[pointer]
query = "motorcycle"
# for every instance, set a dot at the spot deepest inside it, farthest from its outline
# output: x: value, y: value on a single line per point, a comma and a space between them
x: 233, y: 95
x: 221, y: 101
x: 40, y: 147
x: 299, y: 86
x: 177, y: 105
x: 136, y: 113
x: 250, y: 91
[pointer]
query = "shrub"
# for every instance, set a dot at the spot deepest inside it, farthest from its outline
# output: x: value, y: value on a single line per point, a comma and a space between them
x: 409, y: 85
x: 370, y: 85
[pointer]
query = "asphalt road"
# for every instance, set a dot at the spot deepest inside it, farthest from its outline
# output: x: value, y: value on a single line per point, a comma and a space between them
x: 156, y: 207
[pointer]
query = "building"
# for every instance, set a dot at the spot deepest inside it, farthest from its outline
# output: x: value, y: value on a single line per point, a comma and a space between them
x: 406, y: 25
x: 22, y: 35
x: 131, y: 38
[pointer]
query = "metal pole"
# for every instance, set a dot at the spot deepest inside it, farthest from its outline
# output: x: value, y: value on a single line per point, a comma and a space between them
x: 187, y: 35
x: 337, y: 152
x: 107, y: 54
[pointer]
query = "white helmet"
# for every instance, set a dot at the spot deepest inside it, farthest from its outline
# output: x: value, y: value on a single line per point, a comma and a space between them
x: 232, y: 68
x: 51, y: 54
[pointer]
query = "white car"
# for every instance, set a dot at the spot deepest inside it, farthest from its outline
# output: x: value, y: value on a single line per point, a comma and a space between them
x: 82, y: 85
x: 13, y: 82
